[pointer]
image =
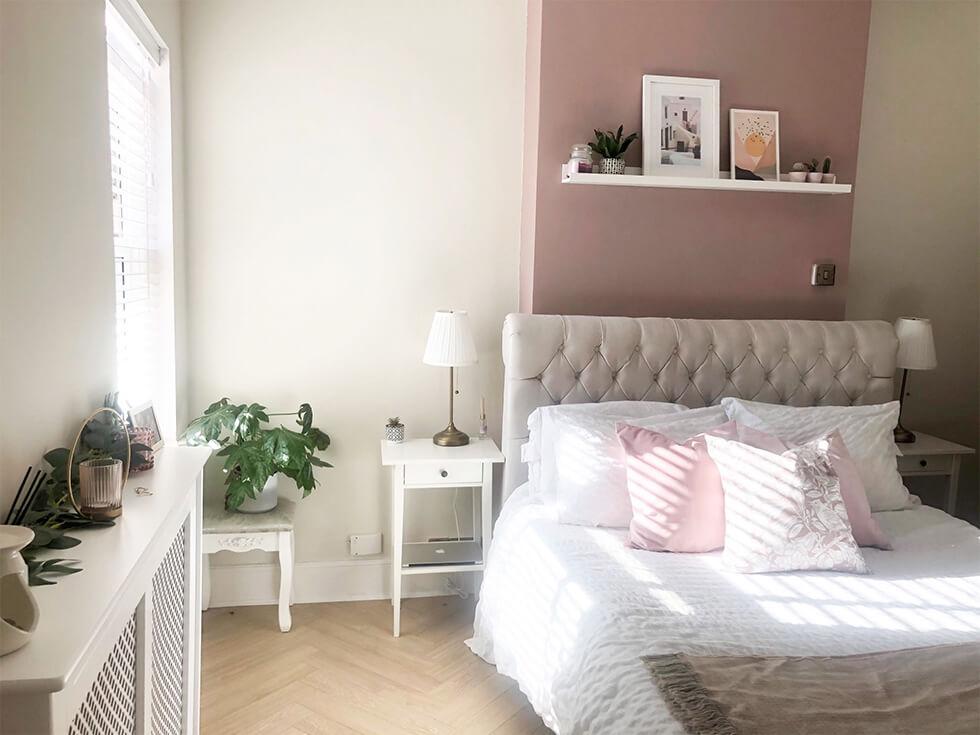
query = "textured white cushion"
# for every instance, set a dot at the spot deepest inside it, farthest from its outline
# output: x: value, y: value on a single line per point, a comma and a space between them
x: 783, y: 511
x: 590, y: 465
x: 538, y: 453
x: 866, y: 430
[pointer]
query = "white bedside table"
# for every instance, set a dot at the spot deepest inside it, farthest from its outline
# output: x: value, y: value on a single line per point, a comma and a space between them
x: 930, y: 456
x: 225, y: 530
x: 417, y: 464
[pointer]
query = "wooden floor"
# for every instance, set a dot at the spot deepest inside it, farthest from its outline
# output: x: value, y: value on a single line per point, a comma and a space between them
x: 339, y: 671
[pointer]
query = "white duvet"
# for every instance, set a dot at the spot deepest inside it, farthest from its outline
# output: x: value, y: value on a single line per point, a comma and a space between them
x: 567, y: 611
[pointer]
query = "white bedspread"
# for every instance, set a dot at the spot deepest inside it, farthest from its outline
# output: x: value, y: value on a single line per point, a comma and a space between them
x: 567, y: 611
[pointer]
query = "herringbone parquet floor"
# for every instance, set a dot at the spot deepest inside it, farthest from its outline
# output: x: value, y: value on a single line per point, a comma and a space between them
x: 339, y: 671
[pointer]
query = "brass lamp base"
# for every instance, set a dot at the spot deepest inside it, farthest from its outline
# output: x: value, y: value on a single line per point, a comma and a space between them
x: 451, y: 437
x: 903, y: 435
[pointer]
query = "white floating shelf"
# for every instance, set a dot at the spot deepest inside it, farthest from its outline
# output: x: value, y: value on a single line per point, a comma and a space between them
x: 635, y: 177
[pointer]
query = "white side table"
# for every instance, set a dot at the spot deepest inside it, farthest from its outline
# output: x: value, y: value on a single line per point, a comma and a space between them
x: 418, y: 464
x: 930, y: 456
x: 233, y: 531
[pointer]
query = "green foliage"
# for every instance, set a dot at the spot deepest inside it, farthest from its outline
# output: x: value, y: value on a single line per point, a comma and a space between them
x: 612, y: 145
x: 252, y: 454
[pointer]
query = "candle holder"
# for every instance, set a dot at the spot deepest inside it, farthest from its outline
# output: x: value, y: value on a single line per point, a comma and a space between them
x: 100, y: 479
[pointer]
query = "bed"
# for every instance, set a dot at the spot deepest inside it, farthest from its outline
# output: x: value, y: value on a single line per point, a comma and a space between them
x: 568, y: 611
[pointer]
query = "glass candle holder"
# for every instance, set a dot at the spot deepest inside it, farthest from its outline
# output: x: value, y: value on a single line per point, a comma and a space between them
x: 100, y: 483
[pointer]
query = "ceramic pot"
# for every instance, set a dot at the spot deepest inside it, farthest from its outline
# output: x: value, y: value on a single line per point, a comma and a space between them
x: 18, y: 608
x: 612, y: 166
x: 828, y: 178
x: 814, y: 177
x: 265, y: 501
x: 797, y: 176
x: 395, y: 434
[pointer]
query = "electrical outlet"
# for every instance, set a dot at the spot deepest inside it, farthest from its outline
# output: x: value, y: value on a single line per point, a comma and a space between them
x: 823, y: 274
x: 365, y: 544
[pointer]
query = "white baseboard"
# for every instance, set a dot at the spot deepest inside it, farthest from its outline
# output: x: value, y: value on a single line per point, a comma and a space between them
x: 321, y: 581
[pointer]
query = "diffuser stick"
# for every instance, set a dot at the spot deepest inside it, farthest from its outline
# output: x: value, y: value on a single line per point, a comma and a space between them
x: 13, y: 505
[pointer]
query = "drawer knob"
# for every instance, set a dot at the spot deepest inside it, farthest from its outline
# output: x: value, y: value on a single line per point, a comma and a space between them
x: 922, y: 463
x: 443, y: 473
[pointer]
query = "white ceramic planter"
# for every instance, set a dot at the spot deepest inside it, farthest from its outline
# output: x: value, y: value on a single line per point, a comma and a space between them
x: 612, y: 166
x: 18, y: 608
x: 797, y: 176
x: 265, y: 500
x: 828, y: 178
x: 814, y: 177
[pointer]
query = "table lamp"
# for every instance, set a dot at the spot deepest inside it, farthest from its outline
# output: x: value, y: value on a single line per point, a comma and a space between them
x: 916, y: 351
x: 450, y: 345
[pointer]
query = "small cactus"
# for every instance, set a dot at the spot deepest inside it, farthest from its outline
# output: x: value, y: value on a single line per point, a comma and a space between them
x: 826, y: 165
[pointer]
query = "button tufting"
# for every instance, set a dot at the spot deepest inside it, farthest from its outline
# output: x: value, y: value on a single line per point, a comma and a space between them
x: 636, y: 349
x: 786, y: 349
x: 598, y: 347
x: 820, y: 351
x: 750, y: 345
x: 711, y: 346
x: 675, y: 350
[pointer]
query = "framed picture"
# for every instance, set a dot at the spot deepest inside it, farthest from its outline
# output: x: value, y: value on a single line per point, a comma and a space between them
x: 144, y: 417
x: 680, y: 126
x: 755, y: 144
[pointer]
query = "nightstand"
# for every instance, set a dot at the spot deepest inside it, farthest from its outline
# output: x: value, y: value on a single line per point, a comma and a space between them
x: 417, y: 465
x: 930, y: 456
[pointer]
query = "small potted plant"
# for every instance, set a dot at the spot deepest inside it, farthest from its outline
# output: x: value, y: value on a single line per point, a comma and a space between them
x: 798, y: 172
x: 395, y: 430
x: 827, y: 177
x: 611, y: 148
x: 255, y: 456
x: 813, y: 175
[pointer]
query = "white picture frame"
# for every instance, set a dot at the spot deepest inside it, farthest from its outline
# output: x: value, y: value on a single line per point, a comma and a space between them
x: 144, y: 416
x: 770, y: 120
x: 670, y: 106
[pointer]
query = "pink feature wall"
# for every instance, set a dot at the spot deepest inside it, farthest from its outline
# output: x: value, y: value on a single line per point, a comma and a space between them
x: 689, y: 253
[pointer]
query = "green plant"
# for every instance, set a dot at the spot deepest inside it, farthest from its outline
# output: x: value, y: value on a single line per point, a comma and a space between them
x: 394, y: 422
x: 609, y: 145
x: 826, y: 165
x: 252, y: 453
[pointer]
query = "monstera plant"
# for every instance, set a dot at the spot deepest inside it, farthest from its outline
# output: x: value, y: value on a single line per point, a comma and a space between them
x: 255, y: 453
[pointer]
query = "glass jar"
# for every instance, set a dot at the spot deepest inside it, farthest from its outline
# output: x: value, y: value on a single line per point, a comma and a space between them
x: 581, y: 159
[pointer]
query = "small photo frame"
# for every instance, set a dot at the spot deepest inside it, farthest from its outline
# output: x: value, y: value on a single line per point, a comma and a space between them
x: 680, y: 126
x: 754, y: 144
x: 144, y: 417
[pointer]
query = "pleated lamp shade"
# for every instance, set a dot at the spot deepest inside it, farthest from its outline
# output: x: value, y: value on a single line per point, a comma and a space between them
x: 916, y: 349
x: 450, y: 341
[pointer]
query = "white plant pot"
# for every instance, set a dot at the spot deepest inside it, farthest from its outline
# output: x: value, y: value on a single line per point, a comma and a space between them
x: 265, y: 500
x: 814, y: 177
x: 612, y: 166
x: 18, y: 608
x: 797, y: 176
x: 828, y: 178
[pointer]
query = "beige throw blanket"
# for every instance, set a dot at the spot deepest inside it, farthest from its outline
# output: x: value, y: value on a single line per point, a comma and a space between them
x: 918, y: 691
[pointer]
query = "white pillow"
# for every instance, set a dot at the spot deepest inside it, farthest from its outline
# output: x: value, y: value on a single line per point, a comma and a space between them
x: 783, y: 511
x: 867, y: 431
x: 590, y: 465
x: 538, y: 453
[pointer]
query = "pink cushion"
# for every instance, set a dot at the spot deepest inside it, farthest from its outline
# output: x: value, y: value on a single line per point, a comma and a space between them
x: 674, y: 487
x: 865, y: 528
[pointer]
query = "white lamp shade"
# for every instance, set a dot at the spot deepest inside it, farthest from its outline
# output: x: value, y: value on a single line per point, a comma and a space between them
x: 450, y: 341
x: 916, y: 349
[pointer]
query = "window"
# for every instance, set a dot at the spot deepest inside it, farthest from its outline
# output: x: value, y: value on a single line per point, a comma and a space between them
x: 142, y: 212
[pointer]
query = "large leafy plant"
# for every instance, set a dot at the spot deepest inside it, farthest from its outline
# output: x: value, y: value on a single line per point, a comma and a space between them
x: 612, y: 145
x: 253, y: 453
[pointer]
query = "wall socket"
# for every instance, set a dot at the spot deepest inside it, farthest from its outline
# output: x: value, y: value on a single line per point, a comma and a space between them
x: 823, y: 274
x: 365, y: 544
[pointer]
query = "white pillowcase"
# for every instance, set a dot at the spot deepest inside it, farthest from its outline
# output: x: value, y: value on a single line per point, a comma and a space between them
x: 783, y: 511
x: 538, y: 453
x: 866, y: 430
x: 590, y: 465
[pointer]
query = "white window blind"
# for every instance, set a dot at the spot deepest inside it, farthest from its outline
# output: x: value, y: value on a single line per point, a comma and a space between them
x: 141, y: 214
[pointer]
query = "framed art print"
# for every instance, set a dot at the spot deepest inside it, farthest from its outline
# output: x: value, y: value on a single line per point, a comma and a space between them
x: 145, y: 417
x: 680, y: 126
x: 754, y: 144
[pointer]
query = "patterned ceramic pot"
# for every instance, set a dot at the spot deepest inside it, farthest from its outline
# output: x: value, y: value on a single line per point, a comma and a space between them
x: 612, y: 166
x: 395, y: 434
x: 141, y: 460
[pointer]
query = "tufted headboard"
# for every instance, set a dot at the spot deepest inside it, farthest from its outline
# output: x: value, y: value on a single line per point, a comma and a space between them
x: 586, y: 359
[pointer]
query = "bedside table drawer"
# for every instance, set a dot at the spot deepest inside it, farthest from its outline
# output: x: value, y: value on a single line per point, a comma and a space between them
x: 938, y: 465
x: 451, y: 473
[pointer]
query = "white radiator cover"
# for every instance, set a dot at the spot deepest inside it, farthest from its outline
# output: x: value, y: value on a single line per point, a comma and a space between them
x: 117, y: 649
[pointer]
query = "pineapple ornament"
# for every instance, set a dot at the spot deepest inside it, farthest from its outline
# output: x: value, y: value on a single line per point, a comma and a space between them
x: 395, y: 430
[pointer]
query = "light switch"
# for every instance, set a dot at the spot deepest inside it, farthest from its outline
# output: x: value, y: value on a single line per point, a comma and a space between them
x: 823, y: 274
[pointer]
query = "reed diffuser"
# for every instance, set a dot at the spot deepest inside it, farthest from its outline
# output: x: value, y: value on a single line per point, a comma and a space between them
x: 483, y: 417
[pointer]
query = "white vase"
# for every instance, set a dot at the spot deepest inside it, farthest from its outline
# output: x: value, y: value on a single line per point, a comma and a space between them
x: 828, y: 178
x: 814, y: 177
x: 797, y: 176
x: 265, y: 500
x: 18, y: 608
x: 612, y: 166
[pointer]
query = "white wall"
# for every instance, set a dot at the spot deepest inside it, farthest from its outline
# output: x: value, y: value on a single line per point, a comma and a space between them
x: 57, y: 310
x: 916, y: 234
x: 351, y: 167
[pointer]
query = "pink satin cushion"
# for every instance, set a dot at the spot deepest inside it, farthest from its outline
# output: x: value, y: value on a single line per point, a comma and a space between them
x: 674, y: 487
x: 865, y: 528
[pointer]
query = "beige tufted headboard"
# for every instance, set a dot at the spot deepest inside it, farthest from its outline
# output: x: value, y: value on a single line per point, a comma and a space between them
x: 582, y: 359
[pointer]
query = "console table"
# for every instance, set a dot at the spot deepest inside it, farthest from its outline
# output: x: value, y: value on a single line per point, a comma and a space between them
x: 117, y: 647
